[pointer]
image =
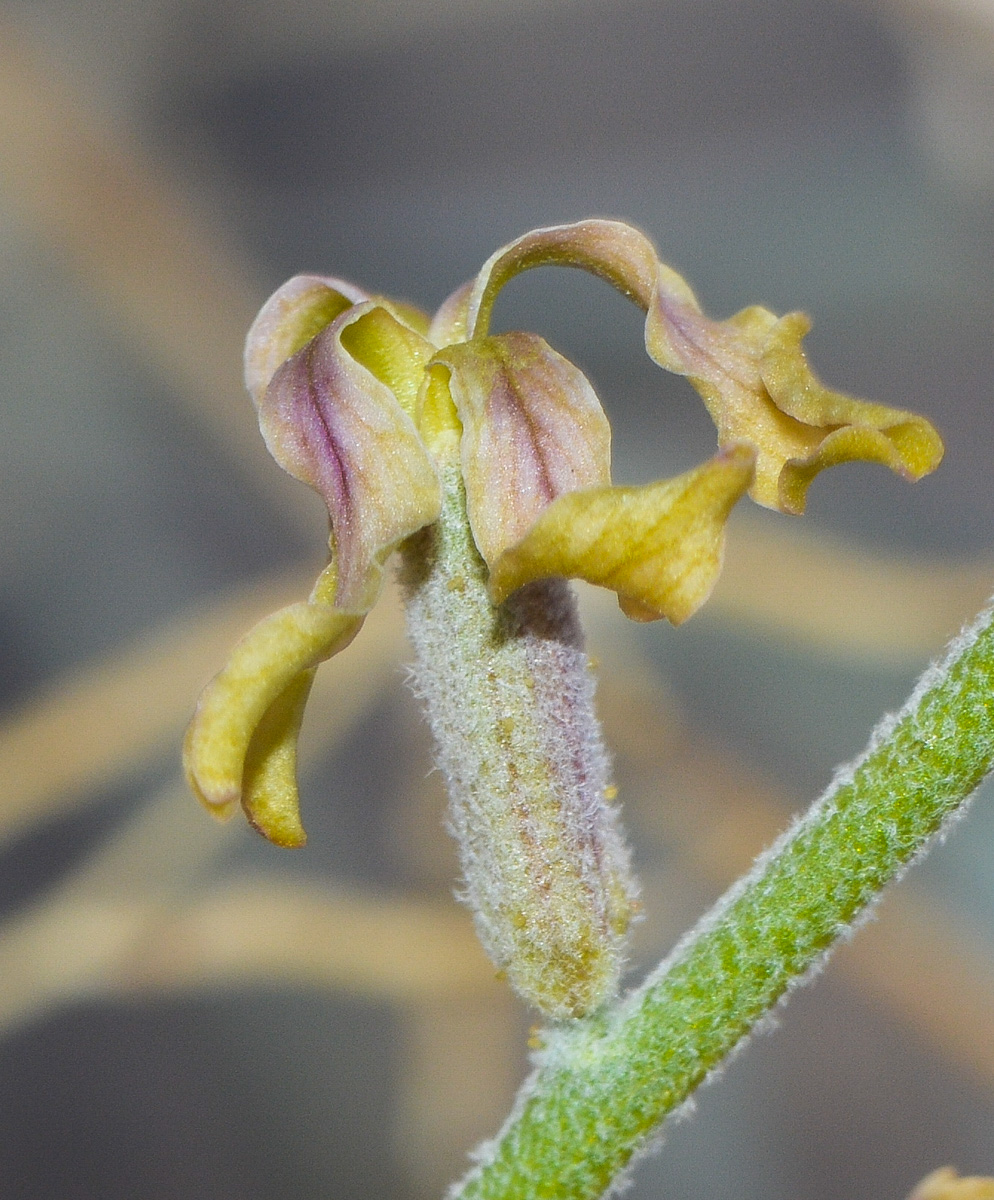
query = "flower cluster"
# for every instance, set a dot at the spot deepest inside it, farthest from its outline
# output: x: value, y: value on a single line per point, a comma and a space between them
x: 485, y: 459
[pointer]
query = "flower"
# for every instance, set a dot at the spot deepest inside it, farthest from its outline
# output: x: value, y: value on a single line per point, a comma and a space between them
x: 486, y: 460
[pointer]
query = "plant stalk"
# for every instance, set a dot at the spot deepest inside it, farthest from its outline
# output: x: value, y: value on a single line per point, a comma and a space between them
x: 602, y: 1086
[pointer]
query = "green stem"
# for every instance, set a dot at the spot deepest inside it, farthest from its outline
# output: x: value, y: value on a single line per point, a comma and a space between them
x: 602, y: 1086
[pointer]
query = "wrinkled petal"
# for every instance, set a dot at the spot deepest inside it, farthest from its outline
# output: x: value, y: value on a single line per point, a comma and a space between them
x: 292, y: 315
x: 333, y: 422
x: 756, y: 383
x: 263, y: 671
x: 533, y: 429
x: 658, y: 546
x: 902, y: 441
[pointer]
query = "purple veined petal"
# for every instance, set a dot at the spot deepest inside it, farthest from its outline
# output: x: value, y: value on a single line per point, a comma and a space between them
x: 292, y: 315
x: 331, y: 422
x: 533, y: 429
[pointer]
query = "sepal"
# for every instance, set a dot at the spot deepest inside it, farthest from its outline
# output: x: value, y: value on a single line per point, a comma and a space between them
x: 292, y: 315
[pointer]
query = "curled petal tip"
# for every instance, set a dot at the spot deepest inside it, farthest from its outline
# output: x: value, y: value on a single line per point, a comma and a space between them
x: 240, y: 746
x: 269, y: 778
x: 754, y: 378
x: 659, y: 546
x: 849, y: 429
x: 217, y: 796
x: 292, y: 315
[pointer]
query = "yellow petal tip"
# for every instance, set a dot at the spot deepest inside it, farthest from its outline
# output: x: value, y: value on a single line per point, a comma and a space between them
x: 657, y: 546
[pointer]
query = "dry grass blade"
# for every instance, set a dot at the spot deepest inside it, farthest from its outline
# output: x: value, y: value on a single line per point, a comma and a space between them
x: 876, y: 609
x: 389, y: 948
x: 141, y: 915
x: 139, y: 250
x: 71, y: 942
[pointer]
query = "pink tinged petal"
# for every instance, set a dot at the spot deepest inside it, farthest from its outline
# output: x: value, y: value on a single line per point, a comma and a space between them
x: 611, y: 250
x: 332, y: 423
x: 292, y: 315
x: 658, y: 546
x: 533, y: 429
x: 761, y: 393
x: 261, y: 686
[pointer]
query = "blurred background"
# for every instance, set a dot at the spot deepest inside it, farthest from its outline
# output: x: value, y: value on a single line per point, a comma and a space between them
x: 186, y: 1011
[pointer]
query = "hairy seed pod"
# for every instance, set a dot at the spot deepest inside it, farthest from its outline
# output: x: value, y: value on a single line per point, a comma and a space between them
x: 509, y: 697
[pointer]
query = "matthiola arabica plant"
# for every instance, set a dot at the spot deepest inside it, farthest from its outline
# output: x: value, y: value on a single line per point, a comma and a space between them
x: 484, y: 461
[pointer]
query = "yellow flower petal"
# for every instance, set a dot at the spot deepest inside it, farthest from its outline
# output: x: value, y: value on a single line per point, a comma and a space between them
x: 269, y: 776
x: 749, y: 370
x: 533, y: 429
x: 857, y: 429
x: 264, y: 664
x: 658, y: 546
x: 436, y: 416
x: 755, y: 380
x: 947, y: 1184
x: 331, y: 421
x: 390, y: 350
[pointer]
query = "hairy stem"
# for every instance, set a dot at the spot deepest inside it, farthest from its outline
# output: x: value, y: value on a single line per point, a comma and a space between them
x: 602, y: 1087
